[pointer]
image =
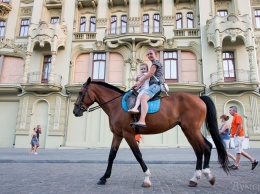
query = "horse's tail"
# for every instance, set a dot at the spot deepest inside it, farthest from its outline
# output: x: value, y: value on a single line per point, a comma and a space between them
x: 212, y: 126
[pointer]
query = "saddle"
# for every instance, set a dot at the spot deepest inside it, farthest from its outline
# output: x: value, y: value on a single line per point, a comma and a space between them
x: 129, y: 99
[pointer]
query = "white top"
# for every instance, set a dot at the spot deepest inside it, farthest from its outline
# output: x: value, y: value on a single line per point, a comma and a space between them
x: 145, y: 84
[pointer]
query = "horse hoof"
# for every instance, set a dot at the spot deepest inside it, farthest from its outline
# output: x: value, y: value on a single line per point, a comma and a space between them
x: 101, y: 182
x: 212, y: 180
x: 193, y: 184
x: 146, y: 184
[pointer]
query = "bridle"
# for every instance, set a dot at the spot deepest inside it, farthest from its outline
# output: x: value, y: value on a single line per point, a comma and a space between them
x: 81, y: 107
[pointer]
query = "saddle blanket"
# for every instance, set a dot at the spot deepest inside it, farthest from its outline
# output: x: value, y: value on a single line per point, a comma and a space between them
x: 153, y: 106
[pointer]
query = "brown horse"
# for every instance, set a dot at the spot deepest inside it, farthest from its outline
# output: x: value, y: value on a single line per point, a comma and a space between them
x: 183, y: 109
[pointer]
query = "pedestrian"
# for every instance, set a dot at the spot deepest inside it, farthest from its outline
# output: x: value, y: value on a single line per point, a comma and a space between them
x: 143, y: 71
x: 38, y: 132
x: 34, y: 142
x: 155, y: 74
x: 238, y: 133
x: 225, y: 133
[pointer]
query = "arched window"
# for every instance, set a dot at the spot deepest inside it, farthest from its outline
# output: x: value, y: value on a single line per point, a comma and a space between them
x: 92, y: 25
x: 99, y: 66
x: 170, y: 66
x: 179, y: 20
x: 123, y: 24
x: 190, y: 21
x: 113, y: 25
x: 82, y: 24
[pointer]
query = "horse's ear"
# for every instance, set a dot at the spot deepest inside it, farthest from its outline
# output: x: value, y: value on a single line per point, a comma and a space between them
x: 89, y: 80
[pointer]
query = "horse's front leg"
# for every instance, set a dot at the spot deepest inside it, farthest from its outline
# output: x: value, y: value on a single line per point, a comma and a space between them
x: 113, y: 151
x: 130, y: 139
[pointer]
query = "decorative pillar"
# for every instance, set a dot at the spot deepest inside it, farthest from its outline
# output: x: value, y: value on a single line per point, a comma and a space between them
x: 53, y: 58
x: 252, y: 63
x: 26, y: 66
x: 220, y: 77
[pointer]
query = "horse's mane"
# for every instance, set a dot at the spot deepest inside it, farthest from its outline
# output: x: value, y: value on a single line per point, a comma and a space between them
x: 108, y: 86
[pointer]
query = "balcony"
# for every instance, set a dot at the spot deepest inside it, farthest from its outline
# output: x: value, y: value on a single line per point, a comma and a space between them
x: 87, y: 3
x: 10, y: 84
x: 189, y: 87
x: 5, y: 8
x: 39, y: 82
x: 232, y: 26
x: 53, y: 4
x: 236, y: 81
x: 112, y: 3
x: 138, y: 33
x: 186, y: 33
x: 84, y: 36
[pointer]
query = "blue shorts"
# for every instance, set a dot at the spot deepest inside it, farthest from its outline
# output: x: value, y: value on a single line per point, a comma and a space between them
x: 152, y: 90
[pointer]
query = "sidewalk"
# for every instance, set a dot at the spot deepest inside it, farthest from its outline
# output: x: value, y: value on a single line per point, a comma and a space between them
x: 124, y: 155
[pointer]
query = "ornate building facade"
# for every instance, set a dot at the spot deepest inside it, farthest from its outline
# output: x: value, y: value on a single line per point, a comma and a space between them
x: 49, y: 48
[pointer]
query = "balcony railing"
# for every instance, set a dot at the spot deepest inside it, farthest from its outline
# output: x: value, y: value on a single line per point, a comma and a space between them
x: 238, y: 75
x: 42, y: 78
x: 78, y: 36
x: 122, y: 30
x: 186, y: 32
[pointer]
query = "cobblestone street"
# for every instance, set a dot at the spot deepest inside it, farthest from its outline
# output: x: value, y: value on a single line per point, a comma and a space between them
x: 125, y: 178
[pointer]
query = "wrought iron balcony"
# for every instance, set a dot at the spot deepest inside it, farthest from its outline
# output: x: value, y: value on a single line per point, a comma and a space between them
x: 235, y: 81
x: 40, y: 82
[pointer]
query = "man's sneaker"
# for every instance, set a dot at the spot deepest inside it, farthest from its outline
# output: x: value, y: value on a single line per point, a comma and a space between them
x: 254, y: 164
x: 233, y: 167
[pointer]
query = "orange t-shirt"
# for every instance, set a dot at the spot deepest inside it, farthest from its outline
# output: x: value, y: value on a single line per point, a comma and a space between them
x: 237, y: 119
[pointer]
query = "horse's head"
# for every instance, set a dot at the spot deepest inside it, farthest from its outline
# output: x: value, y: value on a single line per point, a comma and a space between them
x: 84, y: 100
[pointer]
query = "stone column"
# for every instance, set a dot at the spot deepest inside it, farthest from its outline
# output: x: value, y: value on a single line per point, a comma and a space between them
x: 26, y: 66
x: 53, y: 58
x: 220, y: 77
x: 252, y: 63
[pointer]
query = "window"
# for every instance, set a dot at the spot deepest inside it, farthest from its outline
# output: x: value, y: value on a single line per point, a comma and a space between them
x: 46, y: 69
x: 113, y: 25
x: 99, y: 64
x: 123, y: 24
x: 222, y: 13
x: 257, y: 18
x: 170, y: 66
x: 2, y: 27
x: 92, y: 26
x: 229, y: 66
x: 82, y: 24
x: 6, y: 1
x: 190, y: 20
x: 145, y: 23
x: 178, y: 20
x: 24, y: 27
x: 55, y: 20
x: 156, y: 23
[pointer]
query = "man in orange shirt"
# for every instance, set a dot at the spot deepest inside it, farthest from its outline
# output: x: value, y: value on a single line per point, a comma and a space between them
x: 237, y: 132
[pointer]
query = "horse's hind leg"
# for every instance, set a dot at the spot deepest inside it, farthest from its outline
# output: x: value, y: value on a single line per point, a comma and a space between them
x: 138, y: 155
x: 206, y: 170
x: 113, y: 151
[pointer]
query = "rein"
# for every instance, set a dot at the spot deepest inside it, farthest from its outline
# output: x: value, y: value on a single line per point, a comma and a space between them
x: 95, y: 107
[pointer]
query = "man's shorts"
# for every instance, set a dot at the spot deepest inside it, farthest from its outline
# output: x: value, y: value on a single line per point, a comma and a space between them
x: 152, y: 90
x: 238, y: 141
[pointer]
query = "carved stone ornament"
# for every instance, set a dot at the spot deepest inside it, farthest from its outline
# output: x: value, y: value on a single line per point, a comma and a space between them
x: 168, y: 20
x: 9, y: 44
x: 99, y: 45
x: 170, y: 43
x: 255, y: 2
x: 101, y: 22
x: 4, y: 9
x: 26, y: 11
x: 27, y: 1
x: 134, y: 21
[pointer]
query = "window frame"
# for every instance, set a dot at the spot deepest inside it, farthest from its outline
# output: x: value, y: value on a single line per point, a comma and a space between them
x: 82, y: 24
x: 46, y: 62
x: 156, y: 20
x: 171, y: 79
x: 229, y: 78
x: 55, y: 20
x: 92, y: 24
x: 189, y: 19
x: 2, y: 27
x: 124, y: 24
x: 146, y: 20
x: 113, y: 24
x: 97, y: 62
x: 24, y: 28
x: 257, y: 18
x: 179, y: 20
